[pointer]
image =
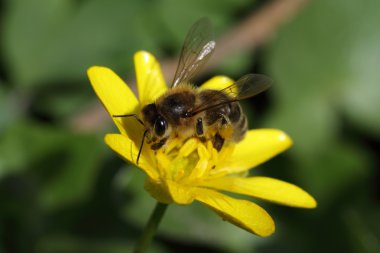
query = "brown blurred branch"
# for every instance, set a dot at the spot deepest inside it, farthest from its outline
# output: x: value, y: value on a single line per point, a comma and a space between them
x: 259, y: 27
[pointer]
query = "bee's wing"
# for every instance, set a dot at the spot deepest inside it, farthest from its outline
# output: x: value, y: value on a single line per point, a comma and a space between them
x: 247, y: 86
x: 197, y: 49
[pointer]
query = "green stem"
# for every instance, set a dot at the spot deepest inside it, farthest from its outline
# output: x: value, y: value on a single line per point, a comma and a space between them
x: 150, y: 228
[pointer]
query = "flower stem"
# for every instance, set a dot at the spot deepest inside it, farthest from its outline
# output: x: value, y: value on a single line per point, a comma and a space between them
x: 150, y: 228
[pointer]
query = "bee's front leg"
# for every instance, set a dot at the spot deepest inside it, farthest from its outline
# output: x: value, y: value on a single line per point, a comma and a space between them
x: 159, y: 144
x: 199, y: 129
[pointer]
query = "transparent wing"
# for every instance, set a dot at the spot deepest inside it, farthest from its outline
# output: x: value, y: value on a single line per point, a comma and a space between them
x: 247, y: 86
x: 196, y: 50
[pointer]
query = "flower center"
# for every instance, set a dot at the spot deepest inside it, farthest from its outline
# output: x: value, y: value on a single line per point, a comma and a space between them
x: 190, y: 161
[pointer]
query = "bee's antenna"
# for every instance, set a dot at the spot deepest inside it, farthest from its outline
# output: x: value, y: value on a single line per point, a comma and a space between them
x: 141, y: 146
x: 129, y: 115
x: 145, y: 132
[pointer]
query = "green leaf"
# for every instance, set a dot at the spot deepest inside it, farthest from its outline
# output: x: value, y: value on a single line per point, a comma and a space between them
x: 363, y: 227
x: 324, y: 64
x: 45, y: 41
x: 328, y: 173
x: 325, y: 60
x: 69, y: 244
x: 76, y: 172
x: 12, y: 106
x: 310, y: 121
x: 185, y: 13
x: 63, y: 165
x: 24, y: 144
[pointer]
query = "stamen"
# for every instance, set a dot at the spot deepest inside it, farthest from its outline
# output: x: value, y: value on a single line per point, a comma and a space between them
x: 188, y: 147
x: 203, y: 152
x: 178, y: 167
x: 173, y: 143
x: 191, y: 160
x: 202, y: 163
x: 163, y: 164
x: 222, y: 156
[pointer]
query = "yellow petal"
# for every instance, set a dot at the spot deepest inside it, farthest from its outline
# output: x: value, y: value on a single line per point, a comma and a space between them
x: 150, y: 82
x: 242, y: 213
x: 169, y: 191
x: 217, y: 83
x: 257, y: 147
x: 115, y: 95
x: 181, y: 194
x: 128, y: 150
x: 158, y: 190
x: 266, y: 188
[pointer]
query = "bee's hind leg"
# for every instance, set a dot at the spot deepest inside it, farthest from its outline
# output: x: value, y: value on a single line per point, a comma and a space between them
x: 218, y: 142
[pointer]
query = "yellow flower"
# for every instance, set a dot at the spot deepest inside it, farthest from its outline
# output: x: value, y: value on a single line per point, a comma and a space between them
x: 182, y: 172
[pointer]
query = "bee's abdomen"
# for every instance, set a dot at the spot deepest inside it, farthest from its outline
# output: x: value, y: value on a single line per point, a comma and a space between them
x: 227, y: 113
x: 235, y: 112
x: 212, y: 98
x: 239, y: 122
x: 240, y: 129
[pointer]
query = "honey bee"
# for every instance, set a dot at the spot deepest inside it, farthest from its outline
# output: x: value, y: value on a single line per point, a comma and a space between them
x: 185, y: 111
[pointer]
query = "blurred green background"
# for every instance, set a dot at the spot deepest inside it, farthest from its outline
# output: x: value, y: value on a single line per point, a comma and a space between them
x: 62, y: 190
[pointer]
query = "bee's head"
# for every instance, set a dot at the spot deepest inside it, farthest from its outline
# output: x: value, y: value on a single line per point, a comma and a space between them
x: 157, y: 126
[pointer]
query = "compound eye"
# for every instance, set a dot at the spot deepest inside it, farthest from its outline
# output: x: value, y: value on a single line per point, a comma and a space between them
x: 160, y: 126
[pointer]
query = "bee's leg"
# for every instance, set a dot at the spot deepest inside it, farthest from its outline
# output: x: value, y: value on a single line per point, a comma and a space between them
x: 199, y: 129
x: 159, y: 144
x: 226, y: 129
x: 218, y: 142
